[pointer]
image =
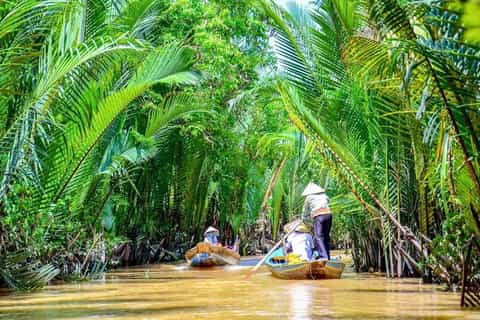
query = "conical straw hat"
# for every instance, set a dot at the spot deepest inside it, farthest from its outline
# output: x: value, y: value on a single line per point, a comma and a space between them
x: 289, y: 225
x: 312, y: 188
x: 302, y: 227
x: 211, y: 229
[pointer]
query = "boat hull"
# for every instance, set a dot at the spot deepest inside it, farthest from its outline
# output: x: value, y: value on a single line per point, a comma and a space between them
x: 211, y: 260
x: 314, y: 270
x: 206, y: 255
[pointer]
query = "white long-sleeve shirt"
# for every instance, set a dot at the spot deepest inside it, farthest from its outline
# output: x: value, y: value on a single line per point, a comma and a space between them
x: 314, y: 202
x: 301, y: 243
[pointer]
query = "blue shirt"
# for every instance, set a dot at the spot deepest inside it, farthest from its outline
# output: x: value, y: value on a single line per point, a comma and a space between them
x: 211, y: 238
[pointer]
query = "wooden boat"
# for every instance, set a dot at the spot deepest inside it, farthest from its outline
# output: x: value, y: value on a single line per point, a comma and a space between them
x: 314, y: 270
x: 206, y: 255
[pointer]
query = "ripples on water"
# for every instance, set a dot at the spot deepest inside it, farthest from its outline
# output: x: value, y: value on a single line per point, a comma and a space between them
x: 178, y: 292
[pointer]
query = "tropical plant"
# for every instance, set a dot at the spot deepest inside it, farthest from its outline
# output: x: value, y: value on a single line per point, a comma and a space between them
x: 373, y: 84
x: 84, y: 73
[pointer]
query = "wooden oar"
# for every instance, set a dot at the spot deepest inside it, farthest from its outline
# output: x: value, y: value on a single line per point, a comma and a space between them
x: 275, y: 247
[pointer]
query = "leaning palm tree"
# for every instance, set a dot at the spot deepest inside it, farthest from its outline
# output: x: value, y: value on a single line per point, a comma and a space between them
x: 76, y: 82
x: 343, y: 62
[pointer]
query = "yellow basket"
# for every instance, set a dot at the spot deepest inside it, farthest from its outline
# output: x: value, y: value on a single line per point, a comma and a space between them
x: 293, y: 258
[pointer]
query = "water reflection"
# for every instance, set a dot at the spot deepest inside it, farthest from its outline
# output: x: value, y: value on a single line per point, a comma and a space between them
x: 300, y: 301
x: 172, y: 292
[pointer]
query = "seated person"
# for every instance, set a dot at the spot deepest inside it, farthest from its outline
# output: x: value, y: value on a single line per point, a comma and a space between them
x: 211, y: 236
x: 301, y: 242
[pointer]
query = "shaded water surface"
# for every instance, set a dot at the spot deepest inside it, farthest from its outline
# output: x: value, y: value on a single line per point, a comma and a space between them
x: 176, y: 292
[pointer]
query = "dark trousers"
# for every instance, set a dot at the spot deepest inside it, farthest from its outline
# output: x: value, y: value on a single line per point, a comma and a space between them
x: 321, y: 234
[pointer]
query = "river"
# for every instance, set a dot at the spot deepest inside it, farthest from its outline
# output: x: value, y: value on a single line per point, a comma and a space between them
x: 177, y: 292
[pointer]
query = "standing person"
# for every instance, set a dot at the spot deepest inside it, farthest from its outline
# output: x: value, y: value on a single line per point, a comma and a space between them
x: 211, y: 236
x: 316, y: 206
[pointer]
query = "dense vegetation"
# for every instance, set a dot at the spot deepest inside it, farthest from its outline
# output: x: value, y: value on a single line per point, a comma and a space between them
x: 388, y: 93
x: 128, y: 126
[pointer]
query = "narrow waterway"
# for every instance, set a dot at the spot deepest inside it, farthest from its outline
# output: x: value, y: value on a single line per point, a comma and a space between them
x: 177, y: 292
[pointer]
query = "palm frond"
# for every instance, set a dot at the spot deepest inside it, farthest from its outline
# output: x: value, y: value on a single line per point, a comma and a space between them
x: 175, y: 107
x: 168, y: 65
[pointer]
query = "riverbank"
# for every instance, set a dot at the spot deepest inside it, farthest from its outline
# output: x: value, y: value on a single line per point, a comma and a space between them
x: 178, y: 292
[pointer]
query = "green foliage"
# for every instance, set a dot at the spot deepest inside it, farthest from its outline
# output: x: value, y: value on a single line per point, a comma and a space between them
x: 128, y: 120
x: 146, y: 121
x: 19, y: 275
x: 450, y: 246
x: 468, y: 11
x: 386, y: 91
x: 40, y: 232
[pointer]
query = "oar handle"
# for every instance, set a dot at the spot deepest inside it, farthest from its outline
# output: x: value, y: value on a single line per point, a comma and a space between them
x: 254, y: 269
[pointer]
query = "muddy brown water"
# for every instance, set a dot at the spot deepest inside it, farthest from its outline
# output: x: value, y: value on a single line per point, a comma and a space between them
x: 178, y: 292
